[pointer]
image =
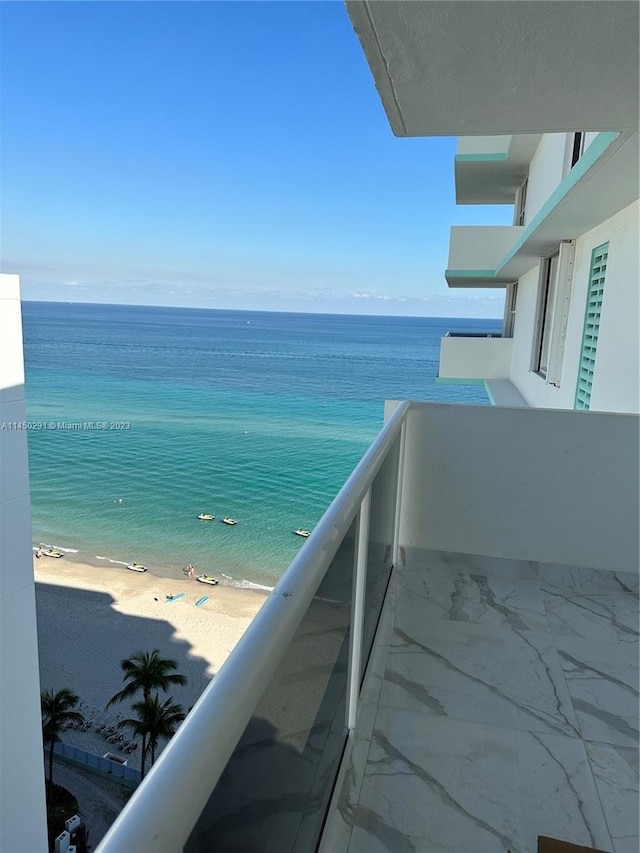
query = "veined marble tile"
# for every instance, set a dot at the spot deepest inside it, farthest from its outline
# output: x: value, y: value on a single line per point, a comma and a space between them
x: 451, y: 562
x: 588, y: 581
x: 475, y: 672
x: 609, y: 617
x: 337, y: 831
x: 615, y: 770
x: 434, y: 785
x: 602, y: 679
x: 462, y: 597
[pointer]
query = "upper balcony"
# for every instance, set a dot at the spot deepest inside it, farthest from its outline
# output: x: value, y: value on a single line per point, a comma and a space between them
x: 474, y: 357
x: 602, y: 182
x: 476, y: 252
x: 490, y: 169
x: 448, y: 68
x: 465, y: 611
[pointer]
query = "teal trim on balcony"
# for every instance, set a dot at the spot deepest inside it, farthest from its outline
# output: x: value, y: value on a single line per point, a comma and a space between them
x: 472, y: 273
x: 588, y: 159
x: 480, y: 158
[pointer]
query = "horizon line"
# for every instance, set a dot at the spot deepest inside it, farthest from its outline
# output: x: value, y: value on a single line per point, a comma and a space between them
x: 256, y: 310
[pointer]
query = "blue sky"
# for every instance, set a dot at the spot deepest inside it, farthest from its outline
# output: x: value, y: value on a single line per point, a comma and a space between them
x: 218, y: 154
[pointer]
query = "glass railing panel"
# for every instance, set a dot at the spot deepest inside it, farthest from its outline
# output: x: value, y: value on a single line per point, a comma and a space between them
x: 274, y: 793
x: 380, y: 546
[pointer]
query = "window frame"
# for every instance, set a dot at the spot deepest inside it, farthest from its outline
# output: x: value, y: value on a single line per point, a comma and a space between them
x: 520, y: 207
x: 552, y: 317
x: 577, y: 148
x: 510, y: 302
x: 546, y: 301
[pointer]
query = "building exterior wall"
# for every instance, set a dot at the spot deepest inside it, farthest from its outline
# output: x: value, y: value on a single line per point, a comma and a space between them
x: 22, y: 795
x: 545, y: 173
x: 616, y: 380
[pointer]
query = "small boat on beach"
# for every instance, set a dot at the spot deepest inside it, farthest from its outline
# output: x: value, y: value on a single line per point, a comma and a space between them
x: 302, y: 532
x: 208, y: 579
x: 170, y: 598
x: 229, y: 520
x: 52, y: 552
x: 205, y: 516
x: 202, y: 600
x: 137, y: 567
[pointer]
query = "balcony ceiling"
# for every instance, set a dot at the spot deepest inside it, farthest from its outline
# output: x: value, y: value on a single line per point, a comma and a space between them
x: 485, y: 178
x: 463, y: 67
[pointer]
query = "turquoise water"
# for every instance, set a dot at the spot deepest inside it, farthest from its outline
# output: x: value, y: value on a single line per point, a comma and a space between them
x: 260, y: 416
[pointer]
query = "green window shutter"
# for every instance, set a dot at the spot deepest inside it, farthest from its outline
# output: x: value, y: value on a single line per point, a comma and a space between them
x: 591, y: 326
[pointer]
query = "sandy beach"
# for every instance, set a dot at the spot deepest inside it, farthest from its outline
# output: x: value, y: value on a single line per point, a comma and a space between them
x: 89, y: 618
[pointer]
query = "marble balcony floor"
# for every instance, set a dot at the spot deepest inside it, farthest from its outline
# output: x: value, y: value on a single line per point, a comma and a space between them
x: 501, y: 703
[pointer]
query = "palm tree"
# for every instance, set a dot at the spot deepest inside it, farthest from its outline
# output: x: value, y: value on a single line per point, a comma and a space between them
x: 154, y: 720
x: 146, y: 671
x: 57, y: 709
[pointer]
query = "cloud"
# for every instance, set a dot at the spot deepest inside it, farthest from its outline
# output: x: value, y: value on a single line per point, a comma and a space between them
x: 177, y: 289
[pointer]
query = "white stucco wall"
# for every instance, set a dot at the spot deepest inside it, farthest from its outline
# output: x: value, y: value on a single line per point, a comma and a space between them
x: 545, y: 173
x: 528, y: 484
x: 616, y: 379
x: 22, y: 796
x: 475, y: 358
x: 523, y: 329
x: 589, y: 137
x: 616, y: 384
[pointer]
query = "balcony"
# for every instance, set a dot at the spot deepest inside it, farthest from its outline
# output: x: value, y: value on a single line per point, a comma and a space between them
x: 474, y: 357
x: 450, y: 662
x: 490, y: 169
x: 455, y: 69
x: 603, y: 182
x: 475, y: 254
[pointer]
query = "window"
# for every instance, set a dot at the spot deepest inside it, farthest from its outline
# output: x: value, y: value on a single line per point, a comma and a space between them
x: 508, y: 322
x: 521, y: 202
x: 545, y: 313
x: 577, y: 149
x: 553, y: 313
x: 595, y: 293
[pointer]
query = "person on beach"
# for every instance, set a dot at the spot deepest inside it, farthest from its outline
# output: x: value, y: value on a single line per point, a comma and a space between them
x: 39, y: 553
x: 191, y: 571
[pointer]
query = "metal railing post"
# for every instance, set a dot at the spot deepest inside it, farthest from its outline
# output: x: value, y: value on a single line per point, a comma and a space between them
x: 396, y: 524
x: 357, y: 613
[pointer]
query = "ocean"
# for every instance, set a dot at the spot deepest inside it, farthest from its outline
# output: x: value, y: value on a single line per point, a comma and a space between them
x: 155, y: 415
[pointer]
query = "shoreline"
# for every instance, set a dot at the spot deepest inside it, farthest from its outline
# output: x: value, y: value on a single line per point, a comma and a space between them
x: 84, y: 560
x: 88, y: 621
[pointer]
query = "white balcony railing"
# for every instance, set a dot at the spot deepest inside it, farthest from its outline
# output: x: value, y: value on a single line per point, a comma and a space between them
x: 287, y: 695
